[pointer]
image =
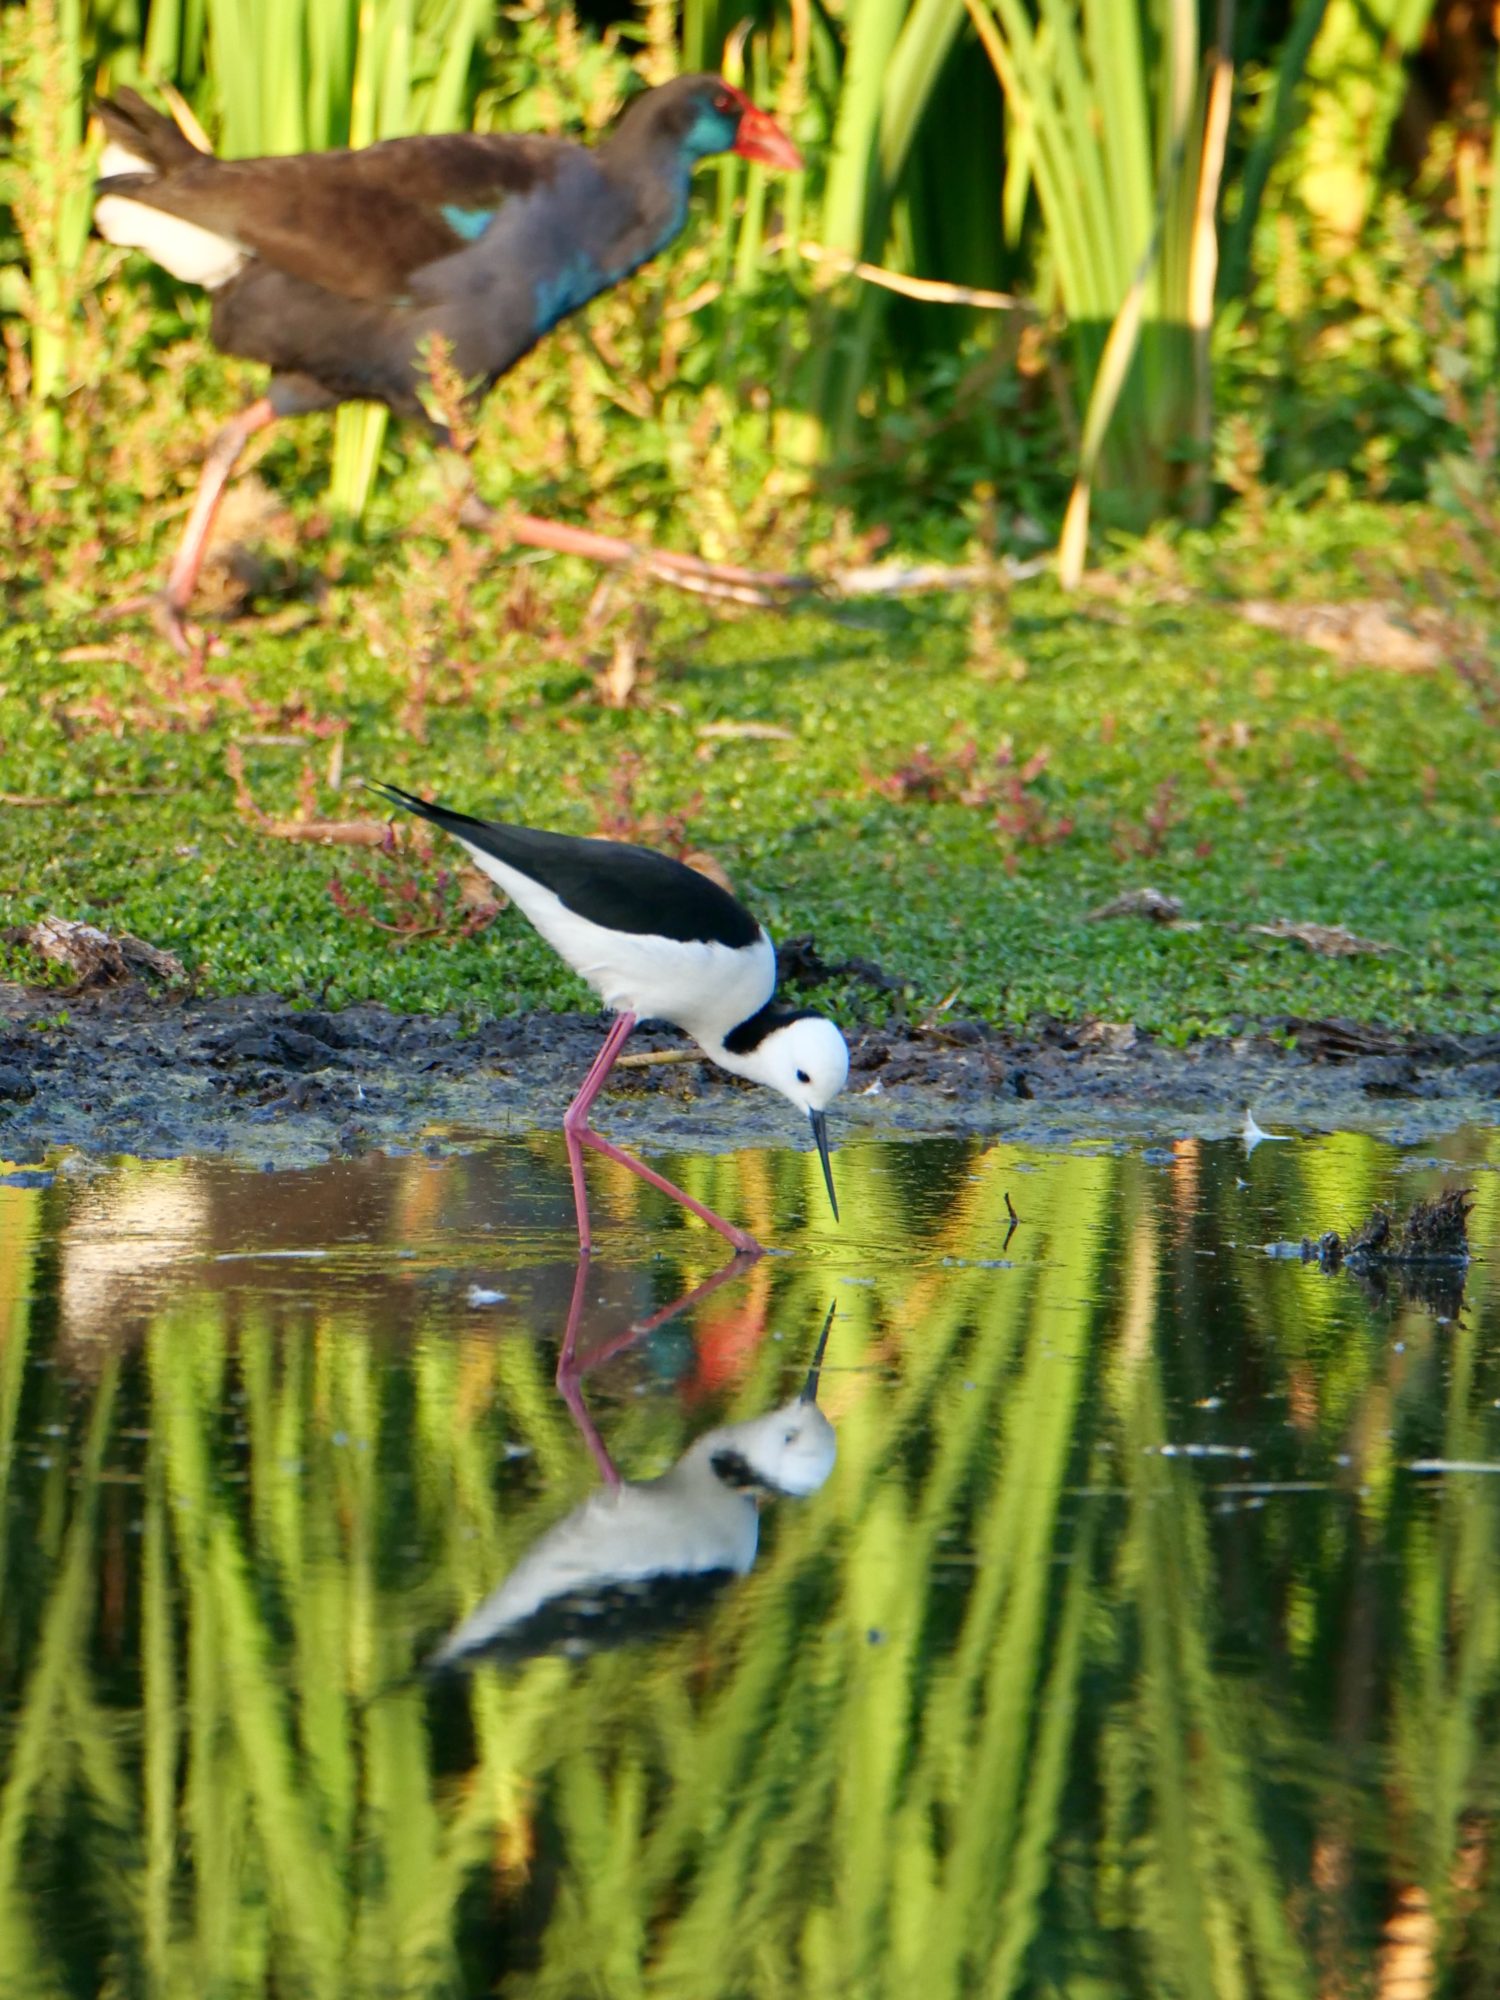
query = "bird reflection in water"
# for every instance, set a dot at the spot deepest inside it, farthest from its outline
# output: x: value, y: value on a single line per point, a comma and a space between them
x: 640, y: 1557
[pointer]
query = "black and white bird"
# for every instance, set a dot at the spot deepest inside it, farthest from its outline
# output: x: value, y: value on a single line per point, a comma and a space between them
x: 657, y: 941
x: 638, y: 1556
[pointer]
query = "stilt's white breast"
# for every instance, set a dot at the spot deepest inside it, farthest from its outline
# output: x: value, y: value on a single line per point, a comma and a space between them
x: 703, y: 987
x: 675, y: 1526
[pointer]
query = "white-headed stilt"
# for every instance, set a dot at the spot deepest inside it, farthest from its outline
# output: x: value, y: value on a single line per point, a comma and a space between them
x: 656, y: 940
x: 637, y: 1556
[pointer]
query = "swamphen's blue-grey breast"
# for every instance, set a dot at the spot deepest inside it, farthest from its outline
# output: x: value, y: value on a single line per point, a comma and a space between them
x: 335, y: 268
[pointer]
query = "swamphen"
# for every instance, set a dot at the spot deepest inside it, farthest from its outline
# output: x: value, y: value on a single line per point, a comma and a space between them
x: 333, y: 268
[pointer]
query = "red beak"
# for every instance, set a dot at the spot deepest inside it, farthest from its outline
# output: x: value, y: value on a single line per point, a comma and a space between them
x: 761, y: 138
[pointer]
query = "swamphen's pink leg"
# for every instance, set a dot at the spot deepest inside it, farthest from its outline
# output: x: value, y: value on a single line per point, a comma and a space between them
x: 217, y: 466
x: 705, y: 579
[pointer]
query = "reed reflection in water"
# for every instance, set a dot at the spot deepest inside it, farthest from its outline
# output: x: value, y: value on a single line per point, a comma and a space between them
x: 1122, y: 1651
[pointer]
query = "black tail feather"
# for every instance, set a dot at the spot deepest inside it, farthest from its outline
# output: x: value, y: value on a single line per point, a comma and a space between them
x: 510, y: 844
x: 429, y: 809
x: 148, y: 133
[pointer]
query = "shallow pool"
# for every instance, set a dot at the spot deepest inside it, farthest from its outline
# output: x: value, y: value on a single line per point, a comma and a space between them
x: 1144, y: 1638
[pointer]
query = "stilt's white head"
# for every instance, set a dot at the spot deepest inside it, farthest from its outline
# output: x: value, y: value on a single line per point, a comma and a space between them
x: 807, y: 1060
x: 789, y: 1451
x: 804, y: 1057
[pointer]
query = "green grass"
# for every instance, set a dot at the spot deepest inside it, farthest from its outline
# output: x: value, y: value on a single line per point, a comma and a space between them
x: 1337, y: 794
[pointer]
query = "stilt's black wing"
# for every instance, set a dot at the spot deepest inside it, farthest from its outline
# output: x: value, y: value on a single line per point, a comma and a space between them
x: 597, y: 1619
x: 607, y: 882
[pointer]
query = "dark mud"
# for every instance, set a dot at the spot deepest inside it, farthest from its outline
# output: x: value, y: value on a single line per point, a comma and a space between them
x: 130, y: 1071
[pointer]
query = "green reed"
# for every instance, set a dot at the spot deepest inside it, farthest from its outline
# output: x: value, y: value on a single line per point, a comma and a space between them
x: 44, y: 182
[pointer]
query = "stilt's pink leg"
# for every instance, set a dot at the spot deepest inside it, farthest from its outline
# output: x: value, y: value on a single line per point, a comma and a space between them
x: 578, y: 1134
x: 576, y: 1120
x: 742, y: 1240
x: 570, y: 1371
x: 741, y: 1261
x: 217, y: 466
x: 569, y: 1385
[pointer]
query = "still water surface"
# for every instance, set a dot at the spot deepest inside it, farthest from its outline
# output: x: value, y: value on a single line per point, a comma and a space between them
x: 1126, y: 1650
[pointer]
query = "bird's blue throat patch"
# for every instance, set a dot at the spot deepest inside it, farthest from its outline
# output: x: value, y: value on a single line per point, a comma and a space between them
x: 564, y: 291
x: 711, y: 132
x: 581, y: 279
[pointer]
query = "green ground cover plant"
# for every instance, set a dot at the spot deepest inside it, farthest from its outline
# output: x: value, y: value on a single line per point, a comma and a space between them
x: 947, y: 787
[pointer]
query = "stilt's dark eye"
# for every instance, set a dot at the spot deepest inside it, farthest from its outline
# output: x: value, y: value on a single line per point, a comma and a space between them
x: 803, y: 1077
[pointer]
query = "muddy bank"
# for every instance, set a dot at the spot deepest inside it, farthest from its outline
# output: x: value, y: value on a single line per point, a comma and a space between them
x: 128, y: 1071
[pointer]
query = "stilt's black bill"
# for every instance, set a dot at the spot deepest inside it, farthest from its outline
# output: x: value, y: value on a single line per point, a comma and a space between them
x: 820, y: 1133
x: 810, y: 1388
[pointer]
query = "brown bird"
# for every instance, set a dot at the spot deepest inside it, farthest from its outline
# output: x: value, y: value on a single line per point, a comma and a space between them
x: 334, y: 269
